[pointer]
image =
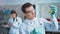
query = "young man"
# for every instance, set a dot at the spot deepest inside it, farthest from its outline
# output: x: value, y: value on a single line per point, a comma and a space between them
x: 31, y: 23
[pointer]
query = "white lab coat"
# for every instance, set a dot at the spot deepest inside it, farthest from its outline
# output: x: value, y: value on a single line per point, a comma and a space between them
x: 29, y: 25
x: 16, y: 25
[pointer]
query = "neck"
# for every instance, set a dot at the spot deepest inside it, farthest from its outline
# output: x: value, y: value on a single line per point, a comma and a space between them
x: 31, y: 18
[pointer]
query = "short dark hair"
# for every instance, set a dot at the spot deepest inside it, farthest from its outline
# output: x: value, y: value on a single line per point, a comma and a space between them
x: 25, y: 6
x: 13, y: 12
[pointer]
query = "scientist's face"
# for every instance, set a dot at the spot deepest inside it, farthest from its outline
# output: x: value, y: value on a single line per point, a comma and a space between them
x: 13, y: 15
x: 30, y: 12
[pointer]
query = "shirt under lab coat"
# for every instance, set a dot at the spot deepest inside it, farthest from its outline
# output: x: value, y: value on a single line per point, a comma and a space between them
x: 14, y: 29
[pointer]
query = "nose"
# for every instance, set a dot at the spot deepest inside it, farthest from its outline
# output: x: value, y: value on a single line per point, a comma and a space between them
x: 32, y: 13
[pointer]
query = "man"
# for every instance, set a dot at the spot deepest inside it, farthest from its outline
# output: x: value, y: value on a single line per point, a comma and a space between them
x: 31, y: 24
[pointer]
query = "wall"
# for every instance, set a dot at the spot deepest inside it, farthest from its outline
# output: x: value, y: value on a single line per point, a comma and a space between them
x: 44, y: 8
x: 19, y: 2
x: 17, y: 8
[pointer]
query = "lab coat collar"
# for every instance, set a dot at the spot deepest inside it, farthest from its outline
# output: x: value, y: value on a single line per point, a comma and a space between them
x: 15, y: 18
x: 32, y: 19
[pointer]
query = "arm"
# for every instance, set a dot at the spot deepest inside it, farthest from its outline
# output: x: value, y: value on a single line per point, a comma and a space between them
x: 9, y: 23
x: 54, y: 21
x: 51, y: 24
x: 53, y: 15
x: 22, y: 29
x: 46, y: 21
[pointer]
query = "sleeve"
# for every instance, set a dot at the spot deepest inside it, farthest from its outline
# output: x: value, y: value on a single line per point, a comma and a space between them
x: 53, y: 22
x: 45, y: 21
x: 9, y: 21
x: 19, y: 22
x: 22, y: 29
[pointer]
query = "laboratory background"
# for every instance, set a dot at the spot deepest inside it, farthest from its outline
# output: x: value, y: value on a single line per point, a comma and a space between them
x: 42, y: 8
